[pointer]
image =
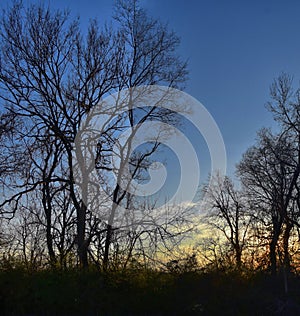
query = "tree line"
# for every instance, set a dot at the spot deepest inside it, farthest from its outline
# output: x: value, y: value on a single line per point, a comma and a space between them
x: 258, y: 215
x: 52, y: 75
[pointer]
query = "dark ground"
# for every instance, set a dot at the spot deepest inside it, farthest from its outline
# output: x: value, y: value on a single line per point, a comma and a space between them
x: 141, y: 292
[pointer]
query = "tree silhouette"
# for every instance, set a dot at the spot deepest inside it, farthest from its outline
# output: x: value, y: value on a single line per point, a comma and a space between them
x: 52, y: 76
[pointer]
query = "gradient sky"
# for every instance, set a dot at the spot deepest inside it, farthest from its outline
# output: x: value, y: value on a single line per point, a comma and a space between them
x: 235, y: 50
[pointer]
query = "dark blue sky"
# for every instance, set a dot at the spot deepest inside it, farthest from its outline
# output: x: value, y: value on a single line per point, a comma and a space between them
x: 235, y: 49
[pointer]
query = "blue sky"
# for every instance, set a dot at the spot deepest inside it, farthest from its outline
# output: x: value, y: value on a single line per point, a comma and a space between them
x: 235, y: 50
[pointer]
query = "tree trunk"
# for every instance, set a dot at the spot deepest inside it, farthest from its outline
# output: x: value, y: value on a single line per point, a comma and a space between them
x: 286, y: 237
x: 46, y: 201
x: 273, y: 245
x: 238, y: 257
x: 50, y: 243
x: 109, y: 231
x: 106, y: 247
x: 286, y: 258
x: 81, y: 242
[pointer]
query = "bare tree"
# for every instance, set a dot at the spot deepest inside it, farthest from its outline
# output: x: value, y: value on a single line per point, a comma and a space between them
x: 228, y: 213
x: 266, y: 171
x: 50, y: 79
x: 270, y: 173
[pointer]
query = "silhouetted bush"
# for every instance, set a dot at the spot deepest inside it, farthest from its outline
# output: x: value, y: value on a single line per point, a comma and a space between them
x: 145, y: 292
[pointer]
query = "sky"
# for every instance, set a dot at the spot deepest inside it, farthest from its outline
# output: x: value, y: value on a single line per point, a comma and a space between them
x: 234, y: 49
